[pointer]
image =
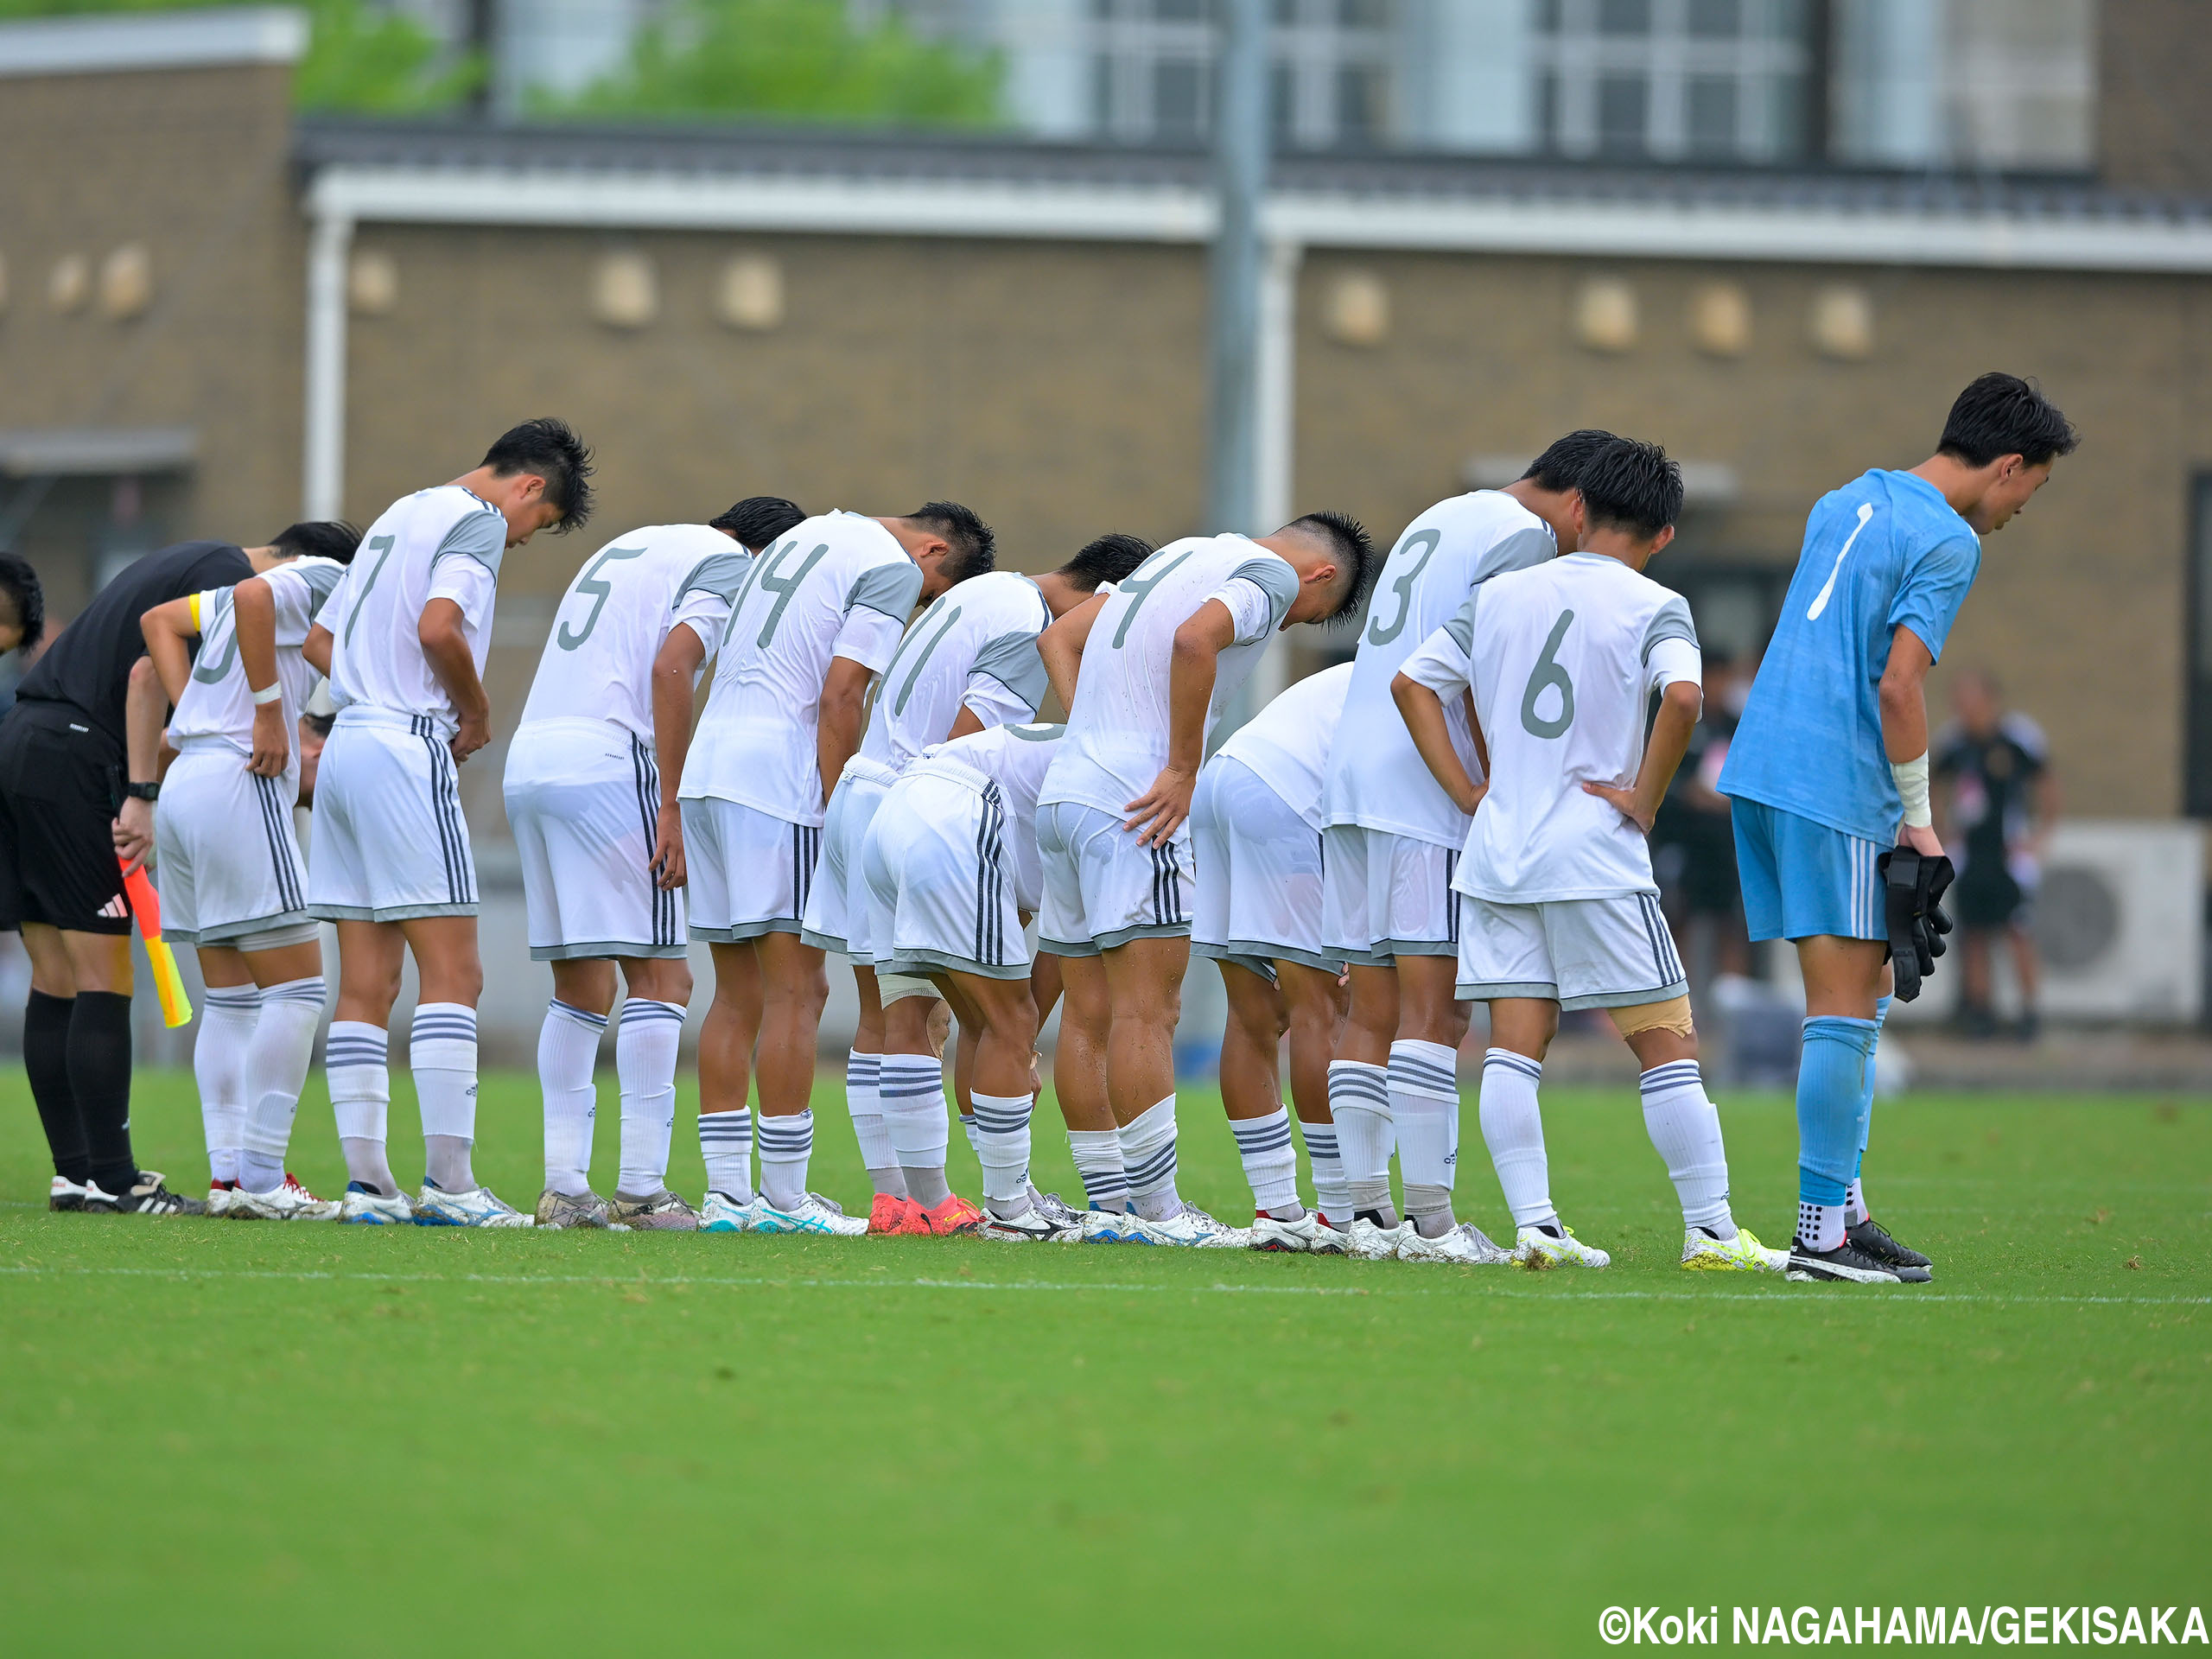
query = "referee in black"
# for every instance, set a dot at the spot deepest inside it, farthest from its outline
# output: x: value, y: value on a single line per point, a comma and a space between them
x: 64, y: 787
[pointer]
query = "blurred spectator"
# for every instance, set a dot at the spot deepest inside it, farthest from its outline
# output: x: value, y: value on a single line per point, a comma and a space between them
x: 1693, y: 843
x: 1995, y: 810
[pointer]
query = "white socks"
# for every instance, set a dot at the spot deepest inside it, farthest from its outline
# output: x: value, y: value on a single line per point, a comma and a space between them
x: 441, y: 1054
x: 1685, y: 1130
x: 786, y: 1143
x: 1359, y: 1100
x: 1148, y: 1155
x: 1514, y: 1130
x: 568, y: 1048
x: 725, y: 1144
x: 276, y: 1071
x: 646, y: 1039
x: 1820, y: 1226
x: 360, y: 1099
x: 1424, y: 1110
x: 1097, y: 1154
x: 219, y: 1066
x: 1271, y: 1164
x: 1331, y: 1192
x: 1854, y: 1203
x: 1002, y: 1138
x: 911, y: 1090
x: 863, y: 1073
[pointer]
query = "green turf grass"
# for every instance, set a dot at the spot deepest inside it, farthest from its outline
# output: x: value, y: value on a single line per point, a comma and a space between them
x: 249, y: 1437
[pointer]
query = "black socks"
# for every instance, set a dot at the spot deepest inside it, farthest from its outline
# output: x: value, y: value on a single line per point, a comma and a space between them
x: 45, y: 1061
x: 99, y: 1079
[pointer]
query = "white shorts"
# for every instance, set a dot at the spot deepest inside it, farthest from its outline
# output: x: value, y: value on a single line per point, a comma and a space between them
x: 750, y: 871
x: 1102, y: 889
x: 582, y: 798
x: 940, y: 875
x: 226, y: 859
x: 837, y: 908
x: 1258, y: 899
x: 1386, y: 896
x: 1579, y: 953
x: 389, y: 842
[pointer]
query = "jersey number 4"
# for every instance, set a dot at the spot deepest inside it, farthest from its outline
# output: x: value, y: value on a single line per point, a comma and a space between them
x: 769, y: 574
x: 1549, y: 671
x: 1139, y: 588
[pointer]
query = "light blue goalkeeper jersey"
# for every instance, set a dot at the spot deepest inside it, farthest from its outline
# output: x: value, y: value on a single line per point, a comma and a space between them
x: 1884, y: 551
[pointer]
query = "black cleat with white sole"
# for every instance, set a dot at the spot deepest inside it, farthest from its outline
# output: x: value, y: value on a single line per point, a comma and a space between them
x: 1870, y: 1238
x: 1846, y: 1264
x: 148, y: 1196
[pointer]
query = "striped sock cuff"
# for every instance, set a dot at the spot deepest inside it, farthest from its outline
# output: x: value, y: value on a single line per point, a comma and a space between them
x: 239, y: 999
x: 1675, y: 1074
x: 862, y: 1070
x: 719, y: 1130
x: 1424, y: 1069
x: 312, y: 989
x: 997, y: 1114
x: 1256, y: 1136
x: 1320, y: 1140
x: 643, y: 1011
x: 908, y: 1077
x: 1533, y: 1069
x: 446, y: 1022
x: 1155, y: 1169
x: 556, y: 1009
x: 1357, y: 1083
x: 356, y: 1043
x: 787, y: 1137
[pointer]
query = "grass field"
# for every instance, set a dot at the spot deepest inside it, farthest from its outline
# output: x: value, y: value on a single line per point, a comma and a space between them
x: 252, y: 1438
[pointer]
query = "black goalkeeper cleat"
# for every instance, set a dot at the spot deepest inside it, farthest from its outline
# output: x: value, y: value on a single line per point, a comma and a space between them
x: 1843, y: 1265
x: 1870, y: 1238
x: 148, y: 1196
x: 65, y: 1194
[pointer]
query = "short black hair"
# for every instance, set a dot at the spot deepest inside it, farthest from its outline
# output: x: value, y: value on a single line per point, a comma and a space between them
x: 1559, y: 469
x: 975, y: 548
x: 21, y: 584
x: 551, y: 449
x: 758, y: 519
x: 1355, y: 549
x: 1106, y: 560
x: 2004, y: 414
x: 318, y: 538
x: 321, y: 725
x: 1632, y: 487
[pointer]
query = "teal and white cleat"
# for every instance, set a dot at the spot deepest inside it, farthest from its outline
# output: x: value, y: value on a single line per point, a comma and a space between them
x: 477, y: 1207
x: 1112, y: 1227
x: 812, y: 1214
x: 1464, y: 1246
x: 1192, y: 1228
x: 723, y: 1214
x: 1563, y: 1250
x: 1742, y: 1254
x: 1368, y: 1242
x: 362, y: 1208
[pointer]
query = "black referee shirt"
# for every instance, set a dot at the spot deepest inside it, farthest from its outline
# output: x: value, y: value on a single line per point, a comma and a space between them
x: 88, y: 664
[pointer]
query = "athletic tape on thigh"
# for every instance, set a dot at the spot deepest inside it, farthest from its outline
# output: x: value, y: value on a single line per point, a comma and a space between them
x: 277, y: 938
x: 1673, y: 1015
x: 896, y: 987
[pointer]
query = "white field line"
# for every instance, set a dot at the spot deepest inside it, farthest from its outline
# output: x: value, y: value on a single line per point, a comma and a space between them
x: 643, y: 1281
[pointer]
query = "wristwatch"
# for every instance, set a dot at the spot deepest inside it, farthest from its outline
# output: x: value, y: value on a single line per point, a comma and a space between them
x: 142, y: 791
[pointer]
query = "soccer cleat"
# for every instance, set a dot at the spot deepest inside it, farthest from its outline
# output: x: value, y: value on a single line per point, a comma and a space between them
x: 148, y: 1197
x: 1112, y: 1227
x: 1564, y: 1250
x: 1035, y: 1225
x: 477, y: 1207
x: 955, y: 1214
x: 1328, y: 1239
x: 663, y: 1212
x: 1370, y: 1242
x: 1192, y: 1228
x: 1870, y: 1238
x: 1846, y: 1264
x: 1463, y: 1246
x: 62, y: 1193
x: 1052, y: 1205
x: 289, y: 1202
x: 1701, y: 1253
x: 812, y: 1214
x: 889, y: 1213
x: 723, y: 1214
x: 362, y: 1208
x: 572, y: 1210
x: 1286, y: 1238
x: 221, y: 1195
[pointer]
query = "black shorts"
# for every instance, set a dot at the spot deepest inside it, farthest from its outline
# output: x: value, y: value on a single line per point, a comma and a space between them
x: 60, y: 784
x: 1987, y: 896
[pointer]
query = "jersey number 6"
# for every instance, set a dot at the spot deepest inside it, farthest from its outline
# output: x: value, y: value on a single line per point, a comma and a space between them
x: 1548, y: 672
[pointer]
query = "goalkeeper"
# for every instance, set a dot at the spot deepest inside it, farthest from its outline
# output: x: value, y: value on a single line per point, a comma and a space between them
x: 1828, y: 772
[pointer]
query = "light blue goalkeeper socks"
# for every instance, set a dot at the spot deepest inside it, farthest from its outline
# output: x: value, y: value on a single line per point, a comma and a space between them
x: 1866, y: 1107
x: 1834, y: 1081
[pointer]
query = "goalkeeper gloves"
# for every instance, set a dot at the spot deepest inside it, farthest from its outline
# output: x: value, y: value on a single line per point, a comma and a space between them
x: 1914, y: 884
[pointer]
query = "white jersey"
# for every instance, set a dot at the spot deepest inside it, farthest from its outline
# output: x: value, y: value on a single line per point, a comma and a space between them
x: 1563, y: 659
x: 618, y: 613
x: 216, y: 702
x: 1377, y: 780
x: 441, y: 544
x: 1016, y: 758
x: 977, y: 647
x: 1287, y: 742
x: 837, y: 586
x: 1116, y: 740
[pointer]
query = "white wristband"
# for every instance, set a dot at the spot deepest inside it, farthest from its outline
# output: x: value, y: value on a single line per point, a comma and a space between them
x: 269, y: 693
x: 1912, y: 790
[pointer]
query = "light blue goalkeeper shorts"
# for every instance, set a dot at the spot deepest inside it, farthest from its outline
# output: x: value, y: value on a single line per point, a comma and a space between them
x: 1802, y: 879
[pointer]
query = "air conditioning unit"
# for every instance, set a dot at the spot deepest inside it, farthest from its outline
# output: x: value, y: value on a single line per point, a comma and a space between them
x: 2121, y: 920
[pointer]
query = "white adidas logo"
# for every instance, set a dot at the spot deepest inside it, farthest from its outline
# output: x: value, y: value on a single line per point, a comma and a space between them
x: 116, y: 908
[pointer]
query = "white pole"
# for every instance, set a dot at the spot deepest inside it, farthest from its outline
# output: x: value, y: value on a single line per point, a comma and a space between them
x: 323, y: 435
x: 1275, y: 420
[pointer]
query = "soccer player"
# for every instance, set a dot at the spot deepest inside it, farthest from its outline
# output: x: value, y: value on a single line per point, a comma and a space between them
x: 1393, y: 837
x: 1144, y: 672
x: 1256, y: 837
x: 403, y: 641
x: 590, y: 792
x: 1561, y: 911
x: 969, y: 664
x: 817, y: 619
x: 1829, y: 769
x: 241, y: 896
x: 951, y: 867
x: 69, y: 799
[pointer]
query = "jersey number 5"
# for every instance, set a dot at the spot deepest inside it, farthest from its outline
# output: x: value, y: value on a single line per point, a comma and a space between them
x: 599, y: 589
x: 1549, y: 672
x: 1403, y: 588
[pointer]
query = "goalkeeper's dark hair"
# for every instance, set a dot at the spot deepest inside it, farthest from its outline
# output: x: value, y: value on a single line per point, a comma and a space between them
x: 975, y: 548
x: 758, y: 520
x: 1559, y: 469
x: 1631, y: 487
x: 1106, y: 560
x: 549, y: 449
x: 1348, y: 542
x: 318, y: 538
x: 2003, y: 414
x: 26, y: 596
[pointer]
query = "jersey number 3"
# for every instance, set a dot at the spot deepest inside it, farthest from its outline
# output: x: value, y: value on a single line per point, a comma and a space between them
x: 1549, y: 672
x: 1427, y: 541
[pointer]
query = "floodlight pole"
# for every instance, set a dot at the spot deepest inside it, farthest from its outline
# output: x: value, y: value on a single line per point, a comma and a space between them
x: 1240, y: 187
